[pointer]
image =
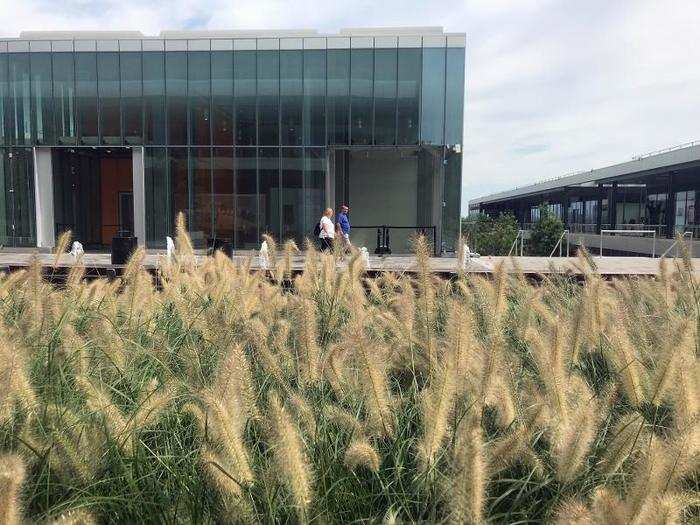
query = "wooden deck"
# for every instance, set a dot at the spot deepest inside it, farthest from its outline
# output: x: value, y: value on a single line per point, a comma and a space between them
x: 100, y: 263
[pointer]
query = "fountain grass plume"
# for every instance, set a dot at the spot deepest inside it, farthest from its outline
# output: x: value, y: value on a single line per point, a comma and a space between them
x: 12, y: 475
x: 291, y: 458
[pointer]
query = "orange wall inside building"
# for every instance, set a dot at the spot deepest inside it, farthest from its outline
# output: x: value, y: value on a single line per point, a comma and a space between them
x: 115, y: 177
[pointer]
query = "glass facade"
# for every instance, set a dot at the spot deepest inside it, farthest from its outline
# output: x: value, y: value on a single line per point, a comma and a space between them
x: 238, y: 138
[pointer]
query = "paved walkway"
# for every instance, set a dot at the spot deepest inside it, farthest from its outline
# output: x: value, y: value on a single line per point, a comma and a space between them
x: 446, y: 265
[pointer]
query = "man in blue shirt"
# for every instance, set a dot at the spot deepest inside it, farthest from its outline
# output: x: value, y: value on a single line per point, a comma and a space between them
x: 344, y: 226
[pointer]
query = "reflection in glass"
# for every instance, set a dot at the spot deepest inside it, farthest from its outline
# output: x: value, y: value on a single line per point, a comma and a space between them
x: 452, y: 195
x: 130, y: 71
x: 178, y: 184
x: 222, y: 97
x: 154, y: 97
x: 5, y: 198
x: 291, y: 91
x: 86, y: 96
x: 385, y: 96
x: 314, y: 97
x: 198, y: 76
x: 42, y: 120
x: 361, y: 68
x: 269, y: 198
x: 408, y: 95
x: 454, y: 96
x: 158, y: 211
x: 19, y: 107
x: 433, y: 96
x: 4, y: 114
x: 244, y: 86
x: 246, y: 205
x: 201, y: 223
x: 222, y: 175
x: 338, y: 95
x: 292, y: 162
x: 22, y: 171
x: 268, y: 97
x: 176, y: 96
x: 108, y: 86
x: 314, y: 188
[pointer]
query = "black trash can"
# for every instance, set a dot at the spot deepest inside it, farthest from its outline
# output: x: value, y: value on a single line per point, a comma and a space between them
x: 220, y: 244
x: 122, y: 248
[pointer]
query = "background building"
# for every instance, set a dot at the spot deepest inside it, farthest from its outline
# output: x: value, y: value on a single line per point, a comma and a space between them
x: 657, y: 191
x: 246, y: 132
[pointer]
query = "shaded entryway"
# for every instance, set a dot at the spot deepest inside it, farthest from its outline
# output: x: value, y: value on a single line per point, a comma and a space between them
x: 93, y: 194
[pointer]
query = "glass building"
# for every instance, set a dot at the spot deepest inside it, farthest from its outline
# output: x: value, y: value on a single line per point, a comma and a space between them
x: 246, y: 133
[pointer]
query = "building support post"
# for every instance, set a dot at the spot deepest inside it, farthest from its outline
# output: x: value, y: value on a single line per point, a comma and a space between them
x: 599, y: 209
x: 43, y: 198
x: 612, y: 206
x: 139, y: 193
x: 670, y: 205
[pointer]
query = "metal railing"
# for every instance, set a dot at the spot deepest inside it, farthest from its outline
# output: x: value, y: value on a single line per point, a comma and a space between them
x: 559, y: 244
x: 384, y: 236
x: 628, y: 232
x: 519, y: 237
x: 675, y: 243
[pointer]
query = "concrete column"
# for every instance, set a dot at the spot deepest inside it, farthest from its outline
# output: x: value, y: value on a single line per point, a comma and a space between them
x: 139, y: 193
x: 43, y: 198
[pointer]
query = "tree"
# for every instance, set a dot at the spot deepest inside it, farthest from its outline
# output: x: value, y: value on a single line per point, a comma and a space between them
x: 490, y: 235
x: 545, y: 233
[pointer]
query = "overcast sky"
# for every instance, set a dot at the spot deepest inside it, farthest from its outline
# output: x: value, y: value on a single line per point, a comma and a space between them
x: 552, y: 86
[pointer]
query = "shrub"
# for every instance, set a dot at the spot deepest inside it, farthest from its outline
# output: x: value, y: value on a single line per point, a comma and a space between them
x: 490, y: 235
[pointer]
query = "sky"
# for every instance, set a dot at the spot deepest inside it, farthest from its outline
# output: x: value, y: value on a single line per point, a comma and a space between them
x: 552, y: 86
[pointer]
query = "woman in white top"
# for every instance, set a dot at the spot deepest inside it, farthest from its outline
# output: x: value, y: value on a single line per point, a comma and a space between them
x: 327, y: 233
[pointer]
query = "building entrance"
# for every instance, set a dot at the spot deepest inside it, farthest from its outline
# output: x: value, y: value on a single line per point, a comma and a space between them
x: 93, y: 194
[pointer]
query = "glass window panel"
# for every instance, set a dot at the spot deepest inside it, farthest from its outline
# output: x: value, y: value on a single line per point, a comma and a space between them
x: 452, y: 195
x: 314, y: 188
x: 268, y: 97
x: 338, y: 95
x: 433, y: 96
x: 199, y: 81
x: 5, y: 198
x: 244, y: 89
x: 314, y: 97
x: 409, y: 72
x: 4, y: 113
x: 64, y: 97
x: 20, y: 112
x: 154, y: 97
x: 176, y: 96
x: 131, y: 91
x: 361, y: 113
x: 222, y: 97
x: 222, y: 174
x: 292, y: 163
x: 158, y: 202
x: 86, y: 96
x: 41, y: 94
x: 269, y: 198
x: 246, y: 201
x: 108, y: 87
x: 178, y: 184
x: 22, y: 167
x: 454, y: 96
x: 291, y: 92
x: 201, y: 223
x: 385, y: 96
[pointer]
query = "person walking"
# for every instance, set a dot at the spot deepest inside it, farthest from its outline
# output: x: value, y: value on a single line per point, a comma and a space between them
x: 344, y: 227
x: 326, y: 233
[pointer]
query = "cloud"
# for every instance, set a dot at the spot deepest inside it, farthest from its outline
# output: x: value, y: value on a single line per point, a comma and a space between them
x: 553, y: 86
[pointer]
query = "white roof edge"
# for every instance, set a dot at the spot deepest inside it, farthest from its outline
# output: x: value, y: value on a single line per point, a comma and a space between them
x: 232, y: 34
x: 638, y: 165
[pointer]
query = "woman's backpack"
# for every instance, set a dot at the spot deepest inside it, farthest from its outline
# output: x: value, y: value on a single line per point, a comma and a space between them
x: 317, y: 229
